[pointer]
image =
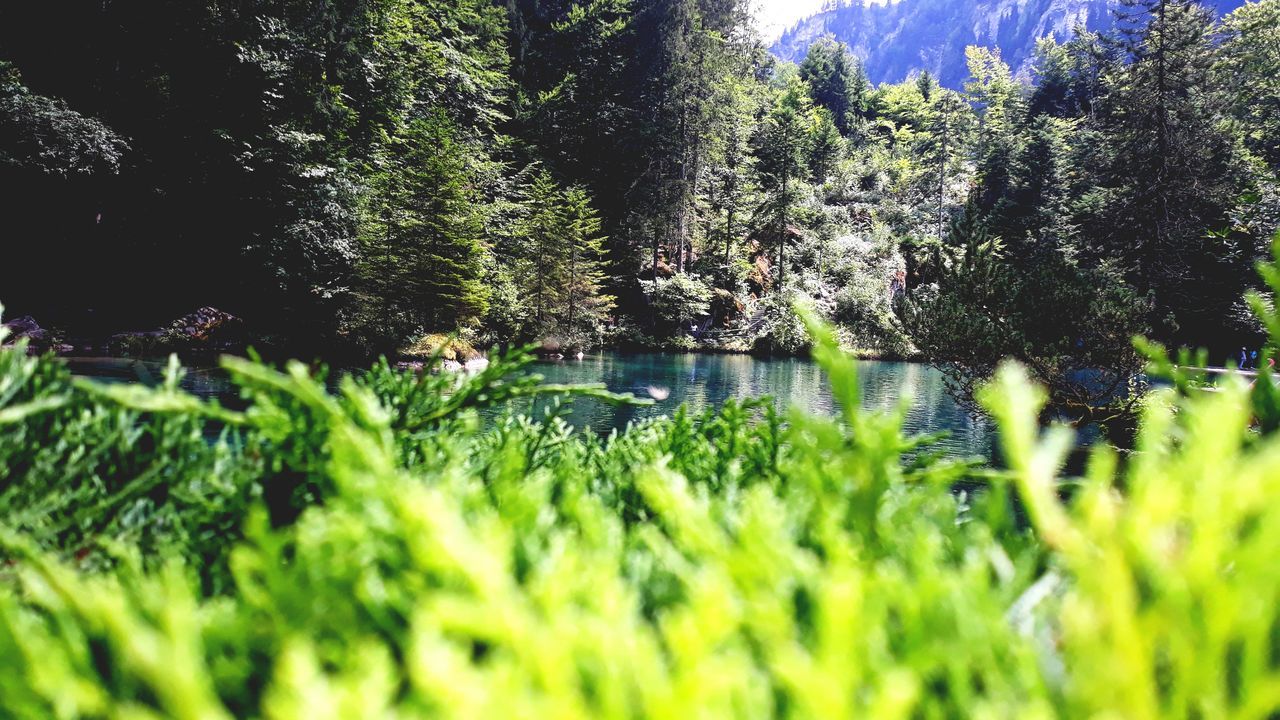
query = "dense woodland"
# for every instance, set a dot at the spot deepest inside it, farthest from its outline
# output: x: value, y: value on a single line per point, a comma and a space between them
x: 380, y: 542
x: 640, y: 172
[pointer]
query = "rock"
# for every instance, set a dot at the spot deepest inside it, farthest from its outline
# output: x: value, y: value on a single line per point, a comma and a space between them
x: 25, y: 328
x: 38, y: 339
x: 476, y: 365
x: 726, y: 308
x: 449, y: 348
x: 208, y: 327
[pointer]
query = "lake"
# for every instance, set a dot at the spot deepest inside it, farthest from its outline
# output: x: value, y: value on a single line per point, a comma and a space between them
x: 700, y: 381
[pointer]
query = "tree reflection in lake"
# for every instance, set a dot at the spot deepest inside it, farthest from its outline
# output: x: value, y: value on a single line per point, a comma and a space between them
x: 702, y: 381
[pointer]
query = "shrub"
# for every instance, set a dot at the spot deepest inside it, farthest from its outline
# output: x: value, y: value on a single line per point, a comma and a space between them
x: 678, y: 301
x: 782, y: 331
x: 735, y: 563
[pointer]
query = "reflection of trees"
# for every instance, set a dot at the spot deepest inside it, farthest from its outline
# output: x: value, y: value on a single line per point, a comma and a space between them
x: 703, y: 381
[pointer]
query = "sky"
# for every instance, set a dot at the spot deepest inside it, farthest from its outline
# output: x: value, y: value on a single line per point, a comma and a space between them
x: 774, y: 16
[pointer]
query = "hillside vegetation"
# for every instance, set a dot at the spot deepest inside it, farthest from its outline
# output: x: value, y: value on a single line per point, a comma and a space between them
x: 348, y: 179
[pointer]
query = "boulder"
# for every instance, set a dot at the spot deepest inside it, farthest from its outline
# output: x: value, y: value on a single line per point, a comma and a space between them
x: 726, y: 308
x: 446, y: 346
x: 39, y: 339
x: 207, y: 327
x: 25, y: 328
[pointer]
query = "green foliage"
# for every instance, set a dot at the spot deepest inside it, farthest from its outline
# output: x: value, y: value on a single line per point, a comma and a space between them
x: 422, y: 243
x: 1069, y: 326
x: 558, y: 258
x: 1249, y: 63
x: 736, y: 563
x: 836, y: 80
x: 782, y: 330
x: 677, y: 302
x: 361, y: 174
x: 45, y: 135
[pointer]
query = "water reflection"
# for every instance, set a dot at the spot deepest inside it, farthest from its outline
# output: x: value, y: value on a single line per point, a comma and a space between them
x: 208, y: 382
x: 701, y: 381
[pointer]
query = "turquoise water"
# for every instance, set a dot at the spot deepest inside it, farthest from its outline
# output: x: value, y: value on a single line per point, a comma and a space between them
x: 703, y: 381
x: 700, y: 381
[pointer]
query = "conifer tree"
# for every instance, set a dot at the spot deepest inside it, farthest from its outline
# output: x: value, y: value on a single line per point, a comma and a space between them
x: 826, y: 146
x: 586, y: 305
x: 1248, y: 64
x: 836, y: 80
x: 422, y: 241
x: 782, y: 152
x: 1172, y: 173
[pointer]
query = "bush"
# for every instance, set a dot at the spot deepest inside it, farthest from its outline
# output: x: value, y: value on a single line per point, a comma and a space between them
x: 678, y: 301
x: 782, y: 331
x: 445, y: 347
x: 736, y: 563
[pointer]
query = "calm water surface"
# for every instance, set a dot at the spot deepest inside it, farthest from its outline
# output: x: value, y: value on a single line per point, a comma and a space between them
x: 700, y: 381
x: 703, y: 381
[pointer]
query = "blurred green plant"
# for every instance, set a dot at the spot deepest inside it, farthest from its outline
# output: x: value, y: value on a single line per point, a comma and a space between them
x: 737, y: 563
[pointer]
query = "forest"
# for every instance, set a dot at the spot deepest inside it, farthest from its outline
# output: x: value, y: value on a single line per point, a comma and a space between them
x: 354, y: 176
x: 1085, y: 245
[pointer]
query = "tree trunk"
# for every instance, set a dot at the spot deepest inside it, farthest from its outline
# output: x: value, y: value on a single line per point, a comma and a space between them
x: 782, y: 231
x: 573, y: 281
x: 728, y: 243
x: 942, y: 175
x: 541, y: 283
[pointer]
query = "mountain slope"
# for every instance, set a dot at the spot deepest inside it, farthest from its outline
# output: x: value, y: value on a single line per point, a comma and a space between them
x: 906, y: 36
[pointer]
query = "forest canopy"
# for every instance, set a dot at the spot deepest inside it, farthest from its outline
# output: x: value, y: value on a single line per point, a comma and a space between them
x: 637, y: 172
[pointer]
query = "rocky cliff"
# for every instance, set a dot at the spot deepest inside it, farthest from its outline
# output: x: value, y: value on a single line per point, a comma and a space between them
x: 905, y: 36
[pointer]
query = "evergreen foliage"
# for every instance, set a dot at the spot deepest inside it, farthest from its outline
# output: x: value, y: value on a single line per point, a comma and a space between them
x: 357, y: 176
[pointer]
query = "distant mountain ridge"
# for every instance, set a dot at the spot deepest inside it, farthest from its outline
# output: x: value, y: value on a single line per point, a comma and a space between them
x: 906, y: 36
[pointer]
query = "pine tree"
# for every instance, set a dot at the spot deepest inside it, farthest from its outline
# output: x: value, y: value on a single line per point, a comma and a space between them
x: 1249, y: 66
x: 422, y: 242
x: 1172, y: 173
x: 559, y: 261
x: 948, y: 124
x: 586, y: 305
x: 1002, y: 110
x: 826, y: 146
x: 836, y: 80
x: 542, y: 249
x: 782, y: 153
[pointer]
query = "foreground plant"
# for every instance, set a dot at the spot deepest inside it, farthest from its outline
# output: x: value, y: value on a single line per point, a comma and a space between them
x: 380, y: 552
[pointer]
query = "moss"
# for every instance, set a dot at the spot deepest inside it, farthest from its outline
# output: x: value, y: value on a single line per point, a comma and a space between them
x: 448, y: 346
